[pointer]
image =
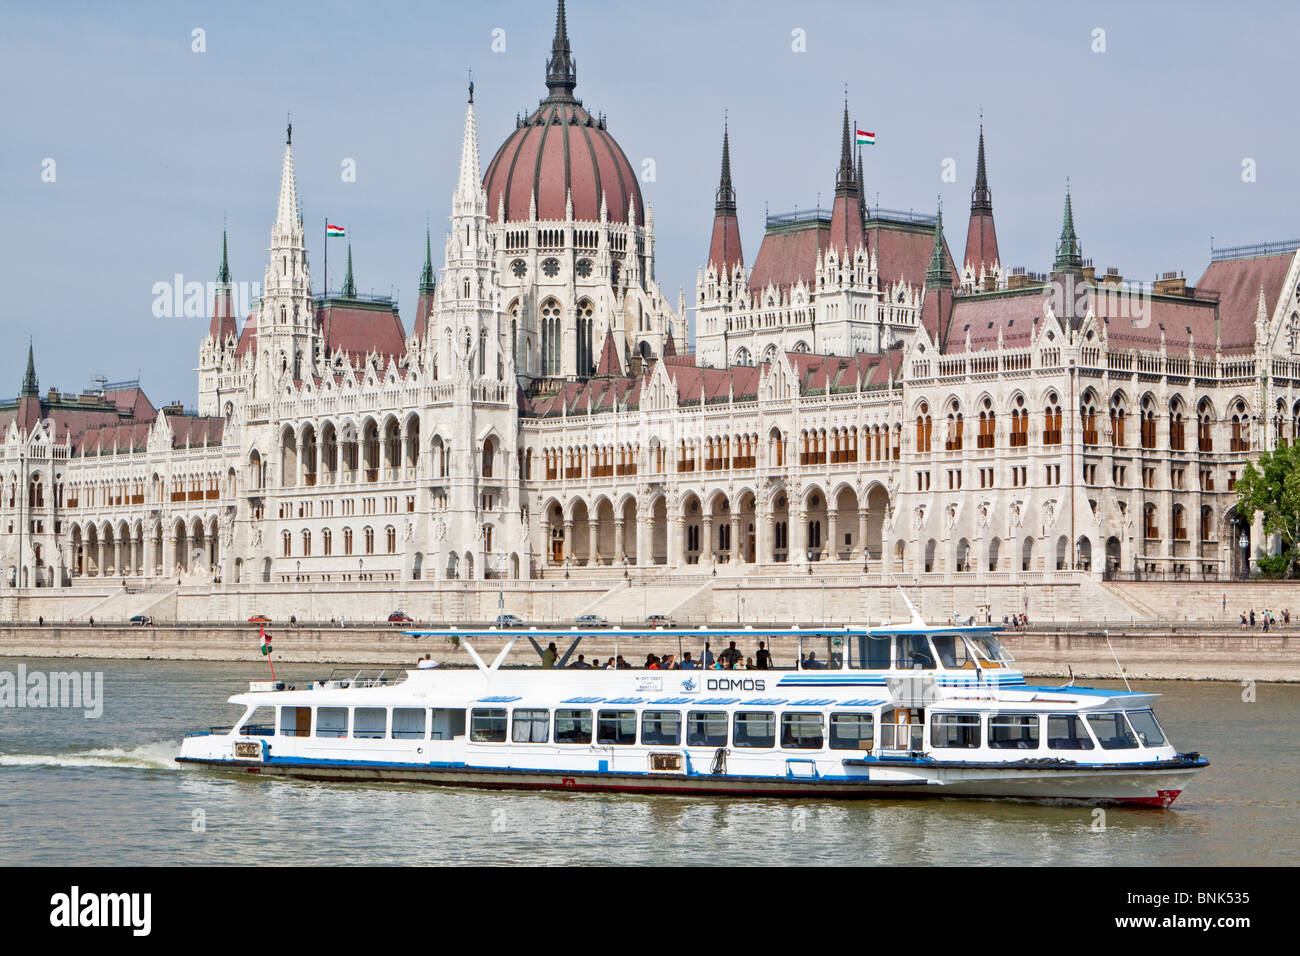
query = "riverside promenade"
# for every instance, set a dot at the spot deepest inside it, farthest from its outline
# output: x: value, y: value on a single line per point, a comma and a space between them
x: 1185, y: 651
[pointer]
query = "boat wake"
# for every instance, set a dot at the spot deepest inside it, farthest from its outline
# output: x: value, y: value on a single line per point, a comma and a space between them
x: 155, y: 756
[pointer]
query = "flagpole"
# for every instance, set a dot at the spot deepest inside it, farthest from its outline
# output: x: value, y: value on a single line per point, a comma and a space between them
x: 262, y: 633
x: 326, y: 291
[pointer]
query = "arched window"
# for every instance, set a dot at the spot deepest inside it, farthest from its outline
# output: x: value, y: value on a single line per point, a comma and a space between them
x: 1204, y: 421
x: 390, y: 536
x: 1019, y: 423
x: 988, y: 425
x: 370, y: 540
x: 956, y: 426
x: 306, y: 544
x: 347, y: 540
x: 286, y: 539
x: 1148, y: 413
x: 327, y: 542
x: 1052, y: 421
x: 923, y: 428
x: 1117, y: 421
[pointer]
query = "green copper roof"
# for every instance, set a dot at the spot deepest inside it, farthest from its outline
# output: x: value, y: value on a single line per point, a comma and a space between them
x: 30, y: 386
x: 1069, y: 256
x: 223, y: 274
x: 938, y: 276
x: 427, y: 283
x: 349, y: 287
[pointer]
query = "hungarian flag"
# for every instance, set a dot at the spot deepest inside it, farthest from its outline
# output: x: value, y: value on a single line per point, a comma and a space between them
x: 266, y: 641
x: 865, y: 138
x: 334, y: 232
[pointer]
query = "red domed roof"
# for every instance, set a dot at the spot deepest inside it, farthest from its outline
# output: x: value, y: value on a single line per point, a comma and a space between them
x: 562, y: 149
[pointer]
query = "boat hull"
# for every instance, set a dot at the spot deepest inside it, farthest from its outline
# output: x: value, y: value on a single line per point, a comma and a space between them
x: 1156, y: 787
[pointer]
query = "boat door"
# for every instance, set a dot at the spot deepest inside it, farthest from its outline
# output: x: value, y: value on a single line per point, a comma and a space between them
x: 902, y: 729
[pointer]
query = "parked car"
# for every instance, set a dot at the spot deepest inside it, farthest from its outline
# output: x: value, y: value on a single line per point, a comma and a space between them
x: 659, y: 620
x: 399, y: 617
x: 259, y: 619
x: 590, y: 620
x: 509, y: 620
x: 141, y: 620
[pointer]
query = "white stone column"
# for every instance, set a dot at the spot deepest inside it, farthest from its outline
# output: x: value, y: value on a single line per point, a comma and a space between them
x: 737, y: 546
x: 706, y: 541
x: 863, y: 516
x: 618, y: 541
x: 833, y: 534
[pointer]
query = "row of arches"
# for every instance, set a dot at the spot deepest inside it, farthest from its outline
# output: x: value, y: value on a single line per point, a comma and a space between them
x: 119, y: 549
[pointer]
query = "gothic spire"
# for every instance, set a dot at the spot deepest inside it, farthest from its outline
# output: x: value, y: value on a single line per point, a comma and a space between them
x: 470, y: 182
x: 561, y: 68
x: 862, y: 190
x: 726, y: 198
x: 349, y: 287
x: 938, y: 276
x: 288, y: 217
x: 223, y: 274
x: 30, y: 386
x: 846, y: 178
x: 981, y: 200
x: 1069, y: 255
x: 426, y: 276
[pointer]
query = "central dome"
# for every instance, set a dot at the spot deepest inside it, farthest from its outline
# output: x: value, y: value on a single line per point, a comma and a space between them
x: 562, y: 150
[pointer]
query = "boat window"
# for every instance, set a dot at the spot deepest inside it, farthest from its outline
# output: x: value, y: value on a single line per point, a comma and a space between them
x: 260, y: 723
x: 661, y: 728
x: 331, y: 721
x: 852, y: 731
x: 1112, y: 731
x: 913, y: 651
x: 487, y: 725
x: 1147, y: 728
x: 902, y: 728
x: 408, y: 723
x: 1067, y: 732
x: 800, y: 731
x: 295, y: 721
x: 955, y: 730
x: 1013, y: 731
x: 991, y: 648
x: 706, y: 728
x: 873, y: 652
x: 616, y: 727
x: 531, y: 726
x: 370, y: 723
x: 754, y: 728
x: 573, y: 726
x: 951, y: 650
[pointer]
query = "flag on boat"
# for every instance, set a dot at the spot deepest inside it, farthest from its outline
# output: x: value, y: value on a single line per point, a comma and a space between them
x: 266, y: 641
x: 864, y: 139
x: 335, y: 232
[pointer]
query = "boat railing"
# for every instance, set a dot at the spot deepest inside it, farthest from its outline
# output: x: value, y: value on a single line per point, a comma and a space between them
x: 347, y: 677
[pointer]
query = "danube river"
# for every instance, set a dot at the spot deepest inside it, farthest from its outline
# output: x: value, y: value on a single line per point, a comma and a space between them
x: 99, y: 791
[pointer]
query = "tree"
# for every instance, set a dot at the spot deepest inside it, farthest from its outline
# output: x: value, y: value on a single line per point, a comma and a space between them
x: 1273, y: 489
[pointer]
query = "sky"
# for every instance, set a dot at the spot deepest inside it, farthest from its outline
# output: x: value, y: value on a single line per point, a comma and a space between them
x: 129, y: 139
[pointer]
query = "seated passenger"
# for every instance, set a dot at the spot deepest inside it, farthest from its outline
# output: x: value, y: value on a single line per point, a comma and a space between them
x: 666, y: 663
x: 425, y: 663
x: 730, y: 655
x: 581, y: 662
x: 622, y: 664
x: 651, y: 662
x: 687, y: 664
x: 812, y: 663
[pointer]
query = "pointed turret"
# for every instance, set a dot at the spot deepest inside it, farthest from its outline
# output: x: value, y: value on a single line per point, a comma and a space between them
x: 938, y: 275
x: 288, y: 216
x: 724, y: 247
x: 428, y: 293
x: 846, y: 215
x: 1069, y: 255
x: 609, y: 365
x: 349, y: 290
x: 30, y: 384
x: 222, y: 325
x: 981, y: 258
x: 427, y: 282
x: 561, y: 68
x: 936, y: 309
x: 469, y: 183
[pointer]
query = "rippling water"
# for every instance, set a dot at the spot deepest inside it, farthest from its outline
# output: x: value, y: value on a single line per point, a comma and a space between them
x: 106, y: 791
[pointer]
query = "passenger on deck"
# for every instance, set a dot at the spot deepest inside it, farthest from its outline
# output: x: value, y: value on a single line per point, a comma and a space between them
x: 764, y: 657
x: 667, y: 663
x: 651, y: 662
x: 549, y: 655
x: 622, y: 664
x: 739, y: 665
x: 708, y: 655
x: 581, y: 662
x: 749, y: 664
x: 731, y: 655
x: 811, y: 662
x: 609, y: 664
x: 687, y: 664
x: 425, y: 663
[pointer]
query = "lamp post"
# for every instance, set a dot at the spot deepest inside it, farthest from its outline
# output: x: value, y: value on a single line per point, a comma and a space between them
x: 501, y: 592
x: 1244, y: 541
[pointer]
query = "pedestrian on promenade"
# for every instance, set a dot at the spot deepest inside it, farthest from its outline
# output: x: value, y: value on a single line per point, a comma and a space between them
x: 1243, y: 620
x: 1252, y: 617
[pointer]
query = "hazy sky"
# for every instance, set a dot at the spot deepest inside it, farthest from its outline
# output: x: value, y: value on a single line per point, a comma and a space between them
x: 153, y: 143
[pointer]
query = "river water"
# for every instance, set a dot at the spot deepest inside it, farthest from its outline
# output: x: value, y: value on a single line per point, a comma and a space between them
x: 82, y: 791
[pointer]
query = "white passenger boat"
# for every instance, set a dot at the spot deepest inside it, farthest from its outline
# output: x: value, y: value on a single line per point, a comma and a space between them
x: 884, y: 712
